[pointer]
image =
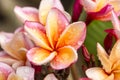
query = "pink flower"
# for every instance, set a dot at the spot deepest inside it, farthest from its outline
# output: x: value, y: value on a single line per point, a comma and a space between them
x: 39, y: 15
x: 110, y: 63
x: 21, y: 73
x: 14, y: 48
x: 57, y: 41
x: 98, y: 5
x: 97, y: 9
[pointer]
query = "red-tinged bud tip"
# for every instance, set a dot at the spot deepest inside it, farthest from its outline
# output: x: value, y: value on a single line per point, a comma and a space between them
x: 85, y: 53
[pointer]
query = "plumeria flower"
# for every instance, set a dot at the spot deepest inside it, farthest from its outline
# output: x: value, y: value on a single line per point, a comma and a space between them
x: 14, y: 48
x: 99, y: 9
x: 21, y: 73
x: 110, y: 63
x: 57, y: 41
x: 39, y: 15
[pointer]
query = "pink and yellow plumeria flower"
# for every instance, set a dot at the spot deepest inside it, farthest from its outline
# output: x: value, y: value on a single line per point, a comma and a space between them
x: 111, y: 64
x: 15, y: 47
x: 100, y: 9
x: 39, y: 15
x: 21, y: 73
x: 57, y: 41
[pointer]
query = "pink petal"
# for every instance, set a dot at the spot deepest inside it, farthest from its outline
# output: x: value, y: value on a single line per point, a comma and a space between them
x: 26, y: 13
x: 73, y: 35
x: 45, y: 7
x: 40, y: 56
x: 56, y: 23
x: 36, y: 32
x: 5, y: 70
x: 64, y: 58
x: 50, y: 77
x: 89, y: 5
x: 104, y: 14
x: 96, y: 73
x: 115, y: 20
x: 25, y: 72
x: 5, y: 58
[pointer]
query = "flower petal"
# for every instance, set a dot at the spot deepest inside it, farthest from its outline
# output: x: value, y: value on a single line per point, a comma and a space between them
x: 89, y: 5
x: 13, y: 76
x: 5, y: 58
x: 110, y: 77
x: 40, y: 56
x: 46, y: 6
x: 26, y: 13
x: 50, y: 77
x: 37, y: 33
x: 73, y: 35
x: 116, y: 74
x: 116, y: 5
x: 64, y: 58
x: 25, y: 72
x: 96, y: 73
x: 14, y: 46
x: 104, y: 14
x: 56, y: 23
x: 115, y: 20
x: 103, y: 57
x: 115, y: 53
x: 5, y: 70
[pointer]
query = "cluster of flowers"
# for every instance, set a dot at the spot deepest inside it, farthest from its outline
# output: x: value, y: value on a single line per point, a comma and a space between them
x: 46, y: 38
x: 103, y: 10
x: 47, y: 43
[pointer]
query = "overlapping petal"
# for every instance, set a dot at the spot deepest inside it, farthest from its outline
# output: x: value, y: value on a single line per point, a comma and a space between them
x: 37, y: 33
x: 45, y: 7
x: 64, y: 58
x: 22, y: 73
x: 73, y: 35
x: 40, y: 56
x: 14, y: 45
x: 26, y: 13
x: 5, y: 70
x: 56, y: 23
x: 5, y: 58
